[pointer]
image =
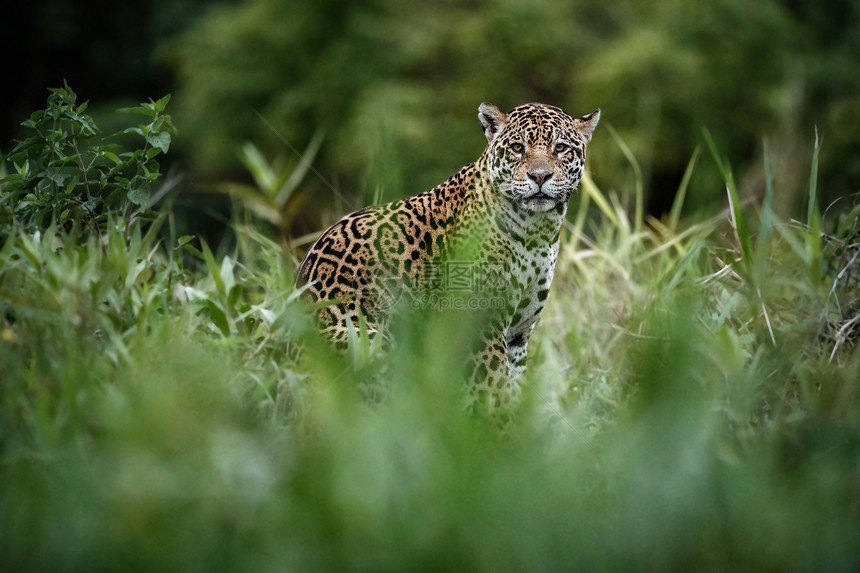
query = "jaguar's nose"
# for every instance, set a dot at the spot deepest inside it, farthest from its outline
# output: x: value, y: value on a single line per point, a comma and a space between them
x: 540, y: 175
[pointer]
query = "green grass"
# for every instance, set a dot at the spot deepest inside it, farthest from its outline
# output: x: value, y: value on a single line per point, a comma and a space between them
x: 692, y: 404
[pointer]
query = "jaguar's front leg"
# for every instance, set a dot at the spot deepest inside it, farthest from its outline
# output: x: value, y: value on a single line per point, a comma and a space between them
x: 493, y: 393
x: 517, y: 343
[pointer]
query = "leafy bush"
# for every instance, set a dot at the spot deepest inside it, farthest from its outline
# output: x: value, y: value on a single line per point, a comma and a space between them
x: 68, y: 174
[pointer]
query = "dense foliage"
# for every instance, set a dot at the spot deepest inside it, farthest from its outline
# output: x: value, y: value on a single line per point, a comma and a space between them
x: 68, y: 174
x: 693, y: 398
x: 392, y: 79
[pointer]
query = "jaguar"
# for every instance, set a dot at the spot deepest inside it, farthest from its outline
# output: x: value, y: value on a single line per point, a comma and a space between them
x: 498, y: 218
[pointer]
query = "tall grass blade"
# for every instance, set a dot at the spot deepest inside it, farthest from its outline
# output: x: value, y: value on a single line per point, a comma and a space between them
x: 812, y: 207
x: 680, y: 196
x: 637, y: 180
x: 590, y: 188
x: 762, y: 250
x: 253, y: 160
x: 212, y: 266
x: 740, y: 226
x: 813, y: 236
x: 297, y: 174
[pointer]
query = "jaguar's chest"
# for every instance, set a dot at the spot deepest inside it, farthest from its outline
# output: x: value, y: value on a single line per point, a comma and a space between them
x: 531, y: 271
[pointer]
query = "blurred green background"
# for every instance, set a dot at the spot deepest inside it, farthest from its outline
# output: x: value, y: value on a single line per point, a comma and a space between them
x: 394, y: 85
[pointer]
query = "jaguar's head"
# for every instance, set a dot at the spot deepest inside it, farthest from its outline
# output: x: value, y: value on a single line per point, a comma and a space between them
x: 536, y: 153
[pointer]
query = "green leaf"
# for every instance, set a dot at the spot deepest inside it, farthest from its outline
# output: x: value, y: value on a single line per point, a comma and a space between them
x: 233, y: 295
x: 813, y: 235
x: 767, y: 219
x: 812, y: 208
x: 58, y: 179
x: 30, y: 148
x: 112, y: 197
x: 218, y: 317
x: 161, y: 104
x: 168, y: 125
x: 37, y: 118
x: 212, y: 266
x: 10, y: 178
x: 85, y: 122
x: 152, y: 152
x: 156, y: 125
x: 256, y: 164
x: 291, y: 183
x: 138, y: 196
x: 138, y: 110
x: 130, y: 131
x: 226, y: 273
x: 194, y: 251
x: 678, y: 203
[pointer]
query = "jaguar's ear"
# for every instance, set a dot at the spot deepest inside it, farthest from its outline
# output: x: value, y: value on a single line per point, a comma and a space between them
x: 492, y: 119
x: 587, y: 123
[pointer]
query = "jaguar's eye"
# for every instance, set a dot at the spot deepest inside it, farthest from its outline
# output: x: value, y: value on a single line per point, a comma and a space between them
x: 561, y: 147
x: 517, y: 147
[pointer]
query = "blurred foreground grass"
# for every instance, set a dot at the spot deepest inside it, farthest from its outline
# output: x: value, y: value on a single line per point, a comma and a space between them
x: 692, y: 404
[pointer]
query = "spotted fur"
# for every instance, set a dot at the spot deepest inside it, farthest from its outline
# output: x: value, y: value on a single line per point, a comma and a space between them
x: 503, y: 211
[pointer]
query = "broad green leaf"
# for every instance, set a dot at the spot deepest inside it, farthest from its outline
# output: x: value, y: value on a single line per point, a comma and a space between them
x: 138, y: 110
x: 138, y: 196
x: 160, y: 140
x: 130, y: 131
x: 219, y: 317
x: 226, y: 273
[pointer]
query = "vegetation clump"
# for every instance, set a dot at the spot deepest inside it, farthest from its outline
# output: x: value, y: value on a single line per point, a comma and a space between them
x: 693, y: 399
